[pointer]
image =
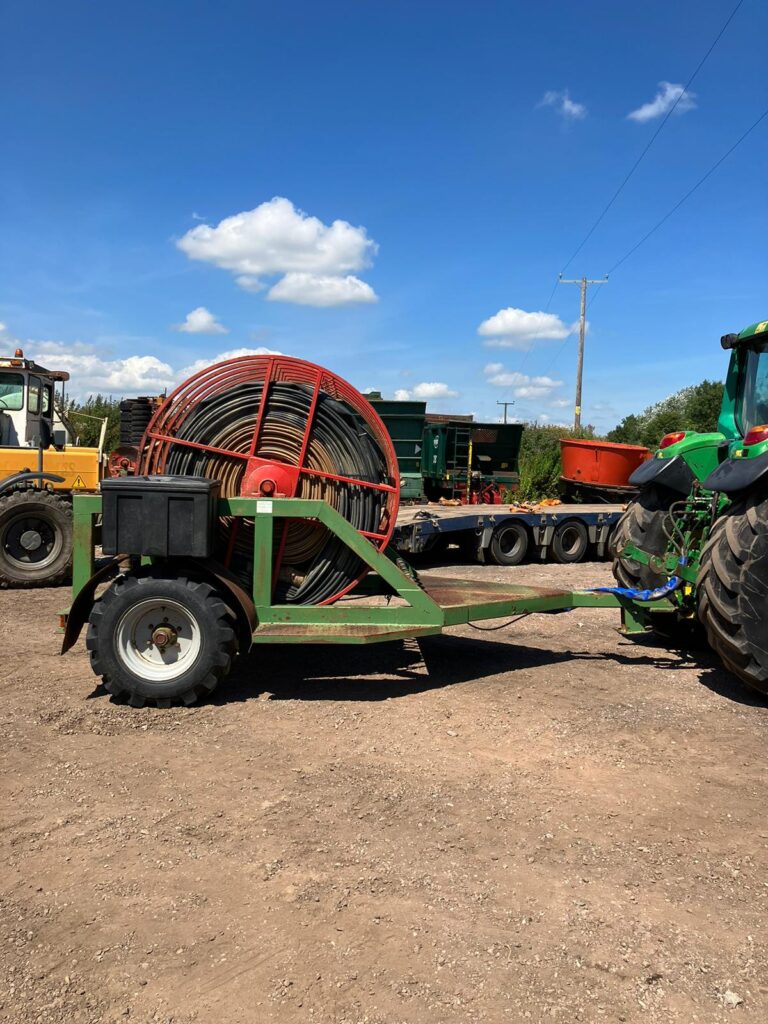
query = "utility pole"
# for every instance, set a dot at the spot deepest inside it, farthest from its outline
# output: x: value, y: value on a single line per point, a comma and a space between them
x: 505, y: 404
x: 583, y: 283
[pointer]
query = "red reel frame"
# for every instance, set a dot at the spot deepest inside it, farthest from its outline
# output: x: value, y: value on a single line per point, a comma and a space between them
x: 268, y: 477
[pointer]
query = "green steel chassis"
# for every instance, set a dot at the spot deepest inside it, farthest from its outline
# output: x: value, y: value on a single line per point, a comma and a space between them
x: 424, y: 608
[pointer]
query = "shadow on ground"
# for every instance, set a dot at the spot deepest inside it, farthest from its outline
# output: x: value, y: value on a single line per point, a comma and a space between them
x: 392, y: 670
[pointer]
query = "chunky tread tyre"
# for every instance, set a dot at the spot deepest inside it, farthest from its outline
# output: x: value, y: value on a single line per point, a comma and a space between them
x: 570, y: 542
x: 211, y: 664
x: 509, y: 543
x: 55, y: 514
x: 732, y: 588
x: 642, y: 525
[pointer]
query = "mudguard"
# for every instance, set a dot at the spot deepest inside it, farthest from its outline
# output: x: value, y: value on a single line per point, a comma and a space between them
x: 202, y: 569
x: 673, y: 473
x: 736, y: 475
x: 26, y: 477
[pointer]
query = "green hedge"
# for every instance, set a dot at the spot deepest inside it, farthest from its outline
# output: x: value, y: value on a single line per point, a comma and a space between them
x: 540, y: 466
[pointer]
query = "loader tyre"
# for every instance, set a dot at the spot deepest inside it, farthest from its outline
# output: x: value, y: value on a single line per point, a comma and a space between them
x: 35, y: 539
x: 160, y: 639
x: 642, y: 525
x: 733, y: 589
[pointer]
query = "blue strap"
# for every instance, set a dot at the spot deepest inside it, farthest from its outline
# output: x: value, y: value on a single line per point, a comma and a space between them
x: 644, y: 595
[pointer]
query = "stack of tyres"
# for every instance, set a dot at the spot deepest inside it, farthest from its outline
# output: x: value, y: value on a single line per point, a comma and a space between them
x: 135, y: 414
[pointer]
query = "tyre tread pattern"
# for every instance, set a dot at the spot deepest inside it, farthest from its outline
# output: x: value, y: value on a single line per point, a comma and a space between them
x: 732, y: 589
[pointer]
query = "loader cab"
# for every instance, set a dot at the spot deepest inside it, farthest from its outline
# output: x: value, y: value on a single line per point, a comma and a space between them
x: 26, y: 402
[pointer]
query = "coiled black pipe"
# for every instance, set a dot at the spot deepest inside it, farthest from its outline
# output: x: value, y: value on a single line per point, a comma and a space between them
x: 316, y: 566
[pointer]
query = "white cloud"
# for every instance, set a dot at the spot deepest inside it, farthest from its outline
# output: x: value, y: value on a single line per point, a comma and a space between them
x: 201, y: 321
x: 321, y: 290
x: 522, y: 385
x: 91, y: 370
x: 220, y: 357
x: 563, y: 104
x: 276, y: 238
x: 425, y: 391
x: 663, y: 101
x: 516, y: 328
x: 560, y: 403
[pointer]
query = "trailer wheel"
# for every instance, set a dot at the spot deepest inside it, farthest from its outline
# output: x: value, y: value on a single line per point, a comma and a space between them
x: 157, y: 639
x: 732, y: 590
x: 35, y: 539
x: 509, y: 543
x: 570, y: 542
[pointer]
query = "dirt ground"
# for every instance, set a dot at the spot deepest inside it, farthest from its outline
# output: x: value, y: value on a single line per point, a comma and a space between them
x: 545, y: 822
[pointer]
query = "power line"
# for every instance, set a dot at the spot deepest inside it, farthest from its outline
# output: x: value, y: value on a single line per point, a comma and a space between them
x: 653, y: 138
x: 689, y: 193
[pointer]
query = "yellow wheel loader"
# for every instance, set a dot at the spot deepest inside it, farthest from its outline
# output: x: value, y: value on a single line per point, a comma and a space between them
x: 41, y: 467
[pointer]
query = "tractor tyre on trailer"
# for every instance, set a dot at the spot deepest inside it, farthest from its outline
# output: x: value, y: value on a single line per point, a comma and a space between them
x: 160, y: 639
x: 733, y: 589
x: 509, y: 543
x: 570, y: 542
x: 35, y: 538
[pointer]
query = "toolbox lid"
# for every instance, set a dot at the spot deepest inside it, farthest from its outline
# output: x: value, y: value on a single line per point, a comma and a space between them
x: 188, y: 484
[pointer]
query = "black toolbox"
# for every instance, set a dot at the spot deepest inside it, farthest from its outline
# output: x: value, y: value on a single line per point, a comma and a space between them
x: 159, y: 515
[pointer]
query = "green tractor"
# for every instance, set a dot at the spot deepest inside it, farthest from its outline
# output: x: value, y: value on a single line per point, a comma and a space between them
x: 699, y: 526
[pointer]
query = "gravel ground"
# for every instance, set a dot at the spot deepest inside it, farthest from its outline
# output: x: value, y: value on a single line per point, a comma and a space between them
x: 545, y: 822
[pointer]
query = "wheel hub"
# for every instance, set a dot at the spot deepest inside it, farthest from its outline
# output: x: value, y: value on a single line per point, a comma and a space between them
x: 30, y: 540
x: 165, y: 636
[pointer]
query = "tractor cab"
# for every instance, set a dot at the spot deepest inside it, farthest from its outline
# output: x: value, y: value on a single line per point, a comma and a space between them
x: 745, y: 405
x: 26, y: 403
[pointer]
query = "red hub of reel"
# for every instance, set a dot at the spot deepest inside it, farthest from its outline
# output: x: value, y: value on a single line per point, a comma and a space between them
x: 274, y: 426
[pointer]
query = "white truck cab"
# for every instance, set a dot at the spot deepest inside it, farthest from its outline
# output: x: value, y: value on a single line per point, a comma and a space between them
x: 26, y: 403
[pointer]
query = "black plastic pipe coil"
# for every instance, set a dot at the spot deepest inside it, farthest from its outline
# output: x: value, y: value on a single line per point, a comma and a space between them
x: 316, y: 566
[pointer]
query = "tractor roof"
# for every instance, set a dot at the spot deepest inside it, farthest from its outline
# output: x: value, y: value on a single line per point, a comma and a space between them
x: 18, y: 362
x: 754, y: 329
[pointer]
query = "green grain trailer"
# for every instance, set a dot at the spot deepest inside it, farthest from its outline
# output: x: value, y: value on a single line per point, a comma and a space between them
x: 475, y: 462
x: 405, y: 424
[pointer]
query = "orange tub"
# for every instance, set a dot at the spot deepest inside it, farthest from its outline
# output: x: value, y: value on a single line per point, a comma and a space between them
x: 600, y: 462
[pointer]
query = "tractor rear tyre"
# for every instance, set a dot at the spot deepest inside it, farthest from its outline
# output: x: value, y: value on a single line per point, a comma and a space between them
x: 509, y: 543
x: 157, y: 639
x: 35, y: 539
x: 642, y: 525
x: 732, y: 589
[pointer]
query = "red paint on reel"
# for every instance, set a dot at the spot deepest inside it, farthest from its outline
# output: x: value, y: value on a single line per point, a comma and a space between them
x: 270, y: 454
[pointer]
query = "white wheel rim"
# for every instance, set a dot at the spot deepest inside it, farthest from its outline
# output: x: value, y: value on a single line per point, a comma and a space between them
x: 145, y: 658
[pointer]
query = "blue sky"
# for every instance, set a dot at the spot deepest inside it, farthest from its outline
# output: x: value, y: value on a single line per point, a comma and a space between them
x: 141, y: 143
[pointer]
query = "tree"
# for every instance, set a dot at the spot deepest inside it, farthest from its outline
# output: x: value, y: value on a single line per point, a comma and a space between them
x: 696, y: 407
x: 85, y: 419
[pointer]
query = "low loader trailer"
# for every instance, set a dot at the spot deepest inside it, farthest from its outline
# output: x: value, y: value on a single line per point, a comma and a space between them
x: 496, y: 535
